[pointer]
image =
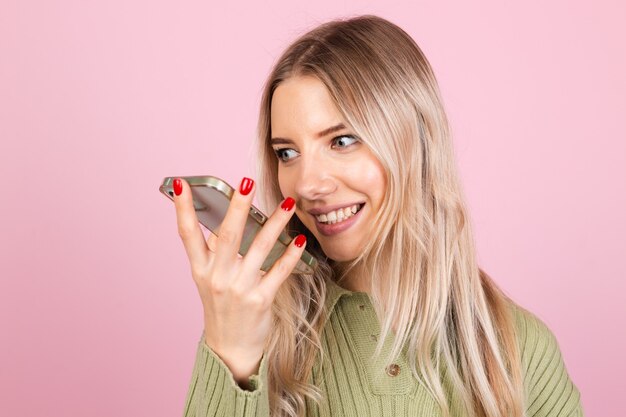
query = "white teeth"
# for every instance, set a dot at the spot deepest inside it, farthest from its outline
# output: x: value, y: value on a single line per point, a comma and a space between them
x: 338, y: 215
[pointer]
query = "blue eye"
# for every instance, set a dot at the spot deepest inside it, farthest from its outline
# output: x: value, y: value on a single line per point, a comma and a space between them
x: 342, y: 139
x: 341, y: 142
x: 280, y: 153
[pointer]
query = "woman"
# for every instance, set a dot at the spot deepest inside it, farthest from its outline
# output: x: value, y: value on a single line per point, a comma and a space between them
x: 398, y: 319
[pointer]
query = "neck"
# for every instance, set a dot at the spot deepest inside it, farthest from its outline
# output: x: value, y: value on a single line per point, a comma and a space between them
x: 355, y: 280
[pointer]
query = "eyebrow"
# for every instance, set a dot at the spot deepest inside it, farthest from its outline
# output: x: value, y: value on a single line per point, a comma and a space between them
x: 325, y: 132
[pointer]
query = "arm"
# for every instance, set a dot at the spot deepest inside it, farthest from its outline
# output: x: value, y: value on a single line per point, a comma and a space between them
x: 214, y: 392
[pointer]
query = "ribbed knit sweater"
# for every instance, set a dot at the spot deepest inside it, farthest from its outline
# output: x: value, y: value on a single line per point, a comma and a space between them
x: 358, y: 386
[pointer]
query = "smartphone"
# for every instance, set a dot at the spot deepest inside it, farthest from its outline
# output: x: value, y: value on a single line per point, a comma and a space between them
x: 211, y: 197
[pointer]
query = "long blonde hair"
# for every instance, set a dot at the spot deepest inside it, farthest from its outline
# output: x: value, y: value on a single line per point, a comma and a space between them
x: 451, y: 314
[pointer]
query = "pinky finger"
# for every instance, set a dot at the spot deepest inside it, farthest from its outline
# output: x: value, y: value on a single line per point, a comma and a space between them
x: 284, y: 266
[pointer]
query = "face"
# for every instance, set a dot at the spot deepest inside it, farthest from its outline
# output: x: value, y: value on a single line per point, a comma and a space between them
x: 325, y: 168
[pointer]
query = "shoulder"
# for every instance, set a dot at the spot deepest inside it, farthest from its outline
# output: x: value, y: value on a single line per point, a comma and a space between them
x: 549, y: 389
x: 539, y: 348
x: 532, y: 332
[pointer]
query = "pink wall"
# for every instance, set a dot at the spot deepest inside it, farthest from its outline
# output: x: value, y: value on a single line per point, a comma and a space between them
x: 100, y: 100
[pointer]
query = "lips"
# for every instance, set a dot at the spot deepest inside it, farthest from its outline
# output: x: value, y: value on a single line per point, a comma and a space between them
x: 333, y: 229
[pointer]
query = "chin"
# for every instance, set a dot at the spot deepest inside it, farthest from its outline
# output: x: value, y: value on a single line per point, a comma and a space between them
x: 340, y: 254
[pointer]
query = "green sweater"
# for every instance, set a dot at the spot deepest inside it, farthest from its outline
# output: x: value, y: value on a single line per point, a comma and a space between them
x: 358, y: 386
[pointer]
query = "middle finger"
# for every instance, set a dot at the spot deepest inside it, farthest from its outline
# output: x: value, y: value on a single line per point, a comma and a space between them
x: 267, y: 236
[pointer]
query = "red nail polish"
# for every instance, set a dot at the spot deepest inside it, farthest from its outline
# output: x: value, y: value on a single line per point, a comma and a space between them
x: 300, y: 240
x: 246, y: 186
x: 288, y: 204
x: 178, y: 186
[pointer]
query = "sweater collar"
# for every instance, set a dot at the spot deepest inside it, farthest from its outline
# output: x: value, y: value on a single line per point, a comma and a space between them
x: 333, y: 293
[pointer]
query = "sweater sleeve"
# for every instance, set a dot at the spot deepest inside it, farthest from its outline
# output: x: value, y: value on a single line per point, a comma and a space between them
x: 214, y: 392
x: 549, y: 390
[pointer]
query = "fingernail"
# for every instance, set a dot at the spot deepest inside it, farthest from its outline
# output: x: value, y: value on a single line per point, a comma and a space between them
x: 178, y: 186
x: 246, y: 186
x: 300, y: 240
x: 288, y: 204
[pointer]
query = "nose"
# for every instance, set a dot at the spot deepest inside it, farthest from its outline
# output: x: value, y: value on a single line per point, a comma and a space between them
x: 315, y: 179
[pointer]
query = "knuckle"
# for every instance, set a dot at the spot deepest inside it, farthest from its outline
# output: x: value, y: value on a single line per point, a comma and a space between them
x: 185, y: 229
x: 218, y: 288
x: 227, y: 236
x: 264, y: 243
x: 281, y: 267
x: 239, y: 203
x: 238, y: 291
x: 257, y: 301
x: 286, y: 264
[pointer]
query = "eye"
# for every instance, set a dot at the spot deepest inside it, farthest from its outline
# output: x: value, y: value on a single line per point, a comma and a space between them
x: 281, y: 153
x: 341, y: 142
x: 345, y: 140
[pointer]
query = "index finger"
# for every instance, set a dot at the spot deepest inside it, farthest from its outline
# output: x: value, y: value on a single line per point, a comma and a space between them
x: 188, y: 226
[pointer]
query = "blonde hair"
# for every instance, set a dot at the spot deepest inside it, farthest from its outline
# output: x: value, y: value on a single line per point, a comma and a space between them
x: 451, y: 314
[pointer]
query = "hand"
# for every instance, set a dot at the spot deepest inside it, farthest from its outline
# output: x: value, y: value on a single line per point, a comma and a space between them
x: 236, y: 295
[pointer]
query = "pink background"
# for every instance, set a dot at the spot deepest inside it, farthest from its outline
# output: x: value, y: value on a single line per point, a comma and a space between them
x: 101, y: 100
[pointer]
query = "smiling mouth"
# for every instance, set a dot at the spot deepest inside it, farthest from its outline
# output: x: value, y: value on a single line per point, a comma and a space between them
x: 339, y: 216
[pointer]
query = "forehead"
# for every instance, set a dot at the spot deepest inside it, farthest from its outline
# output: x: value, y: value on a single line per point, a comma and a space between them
x: 302, y: 105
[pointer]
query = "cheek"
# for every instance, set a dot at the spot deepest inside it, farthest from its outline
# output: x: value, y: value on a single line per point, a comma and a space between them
x: 284, y: 184
x: 374, y: 178
x: 372, y: 175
